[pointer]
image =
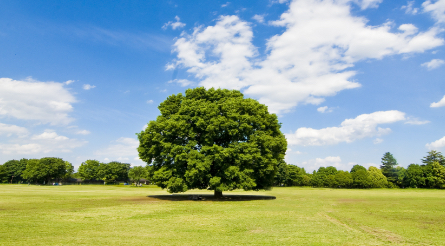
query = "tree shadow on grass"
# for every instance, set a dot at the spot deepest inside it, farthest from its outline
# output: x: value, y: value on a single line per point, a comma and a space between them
x: 203, y: 197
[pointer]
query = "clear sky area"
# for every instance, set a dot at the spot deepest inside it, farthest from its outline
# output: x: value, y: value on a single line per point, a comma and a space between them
x: 348, y: 79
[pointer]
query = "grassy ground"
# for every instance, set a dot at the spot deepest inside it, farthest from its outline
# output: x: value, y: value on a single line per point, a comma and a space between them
x: 112, y: 215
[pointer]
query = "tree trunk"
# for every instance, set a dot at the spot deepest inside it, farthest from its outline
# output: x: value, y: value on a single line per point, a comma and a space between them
x: 218, y: 194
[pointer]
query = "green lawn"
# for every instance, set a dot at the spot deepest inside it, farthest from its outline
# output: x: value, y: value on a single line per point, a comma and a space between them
x: 113, y: 215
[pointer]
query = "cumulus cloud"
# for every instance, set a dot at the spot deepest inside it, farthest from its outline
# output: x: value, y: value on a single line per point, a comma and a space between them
x: 324, y: 109
x: 225, y: 5
x: 181, y: 82
x: 174, y: 25
x: 436, y: 144
x: 316, y: 163
x: 438, y: 104
x: 436, y: 9
x: 69, y: 82
x: 377, y: 141
x: 44, y: 102
x: 123, y: 149
x: 259, y: 18
x: 83, y: 132
x: 434, y: 63
x: 9, y: 130
x: 149, y: 101
x: 350, y: 130
x: 416, y: 121
x: 409, y: 9
x: 46, y: 142
x: 309, y: 61
x: 88, y: 87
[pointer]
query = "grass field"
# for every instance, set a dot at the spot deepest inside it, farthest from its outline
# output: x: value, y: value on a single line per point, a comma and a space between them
x: 113, y: 215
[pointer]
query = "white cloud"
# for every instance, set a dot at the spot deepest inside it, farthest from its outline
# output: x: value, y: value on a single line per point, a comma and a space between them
x: 123, y: 149
x: 83, y: 132
x: 68, y: 82
x: 436, y: 9
x: 438, y: 104
x: 377, y: 141
x: 47, y: 142
x: 149, y: 101
x: 416, y: 121
x: 259, y: 18
x: 44, y: 102
x: 9, y: 130
x: 88, y: 87
x: 309, y: 61
x: 324, y: 109
x: 316, y: 163
x: 434, y: 63
x: 225, y: 5
x: 436, y: 144
x: 364, y: 4
x: 409, y: 8
x: 182, y: 82
x: 174, y: 25
x: 350, y: 130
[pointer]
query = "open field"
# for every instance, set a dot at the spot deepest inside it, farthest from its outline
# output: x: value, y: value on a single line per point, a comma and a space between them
x: 113, y: 215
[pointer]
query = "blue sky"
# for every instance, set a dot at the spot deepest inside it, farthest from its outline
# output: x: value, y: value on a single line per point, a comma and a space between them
x: 349, y: 79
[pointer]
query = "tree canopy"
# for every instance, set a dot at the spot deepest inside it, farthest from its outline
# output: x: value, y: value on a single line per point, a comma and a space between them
x: 212, y: 139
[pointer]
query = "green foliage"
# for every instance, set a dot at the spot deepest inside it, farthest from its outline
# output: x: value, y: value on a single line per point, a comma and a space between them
x: 361, y: 179
x: 282, y: 174
x: 388, y: 167
x: 3, y: 174
x: 46, y: 169
x: 89, y: 170
x: 324, y: 177
x: 343, y: 179
x: 13, y: 170
x: 357, y: 167
x: 435, y: 175
x: 414, y: 176
x: 378, y: 180
x: 434, y: 156
x: 297, y: 176
x: 213, y: 139
x: 137, y: 173
x: 113, y: 171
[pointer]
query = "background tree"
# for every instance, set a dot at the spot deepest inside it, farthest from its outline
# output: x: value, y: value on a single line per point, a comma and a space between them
x: 3, y: 175
x: 46, y: 169
x: 213, y: 139
x: 434, y: 156
x: 14, y: 170
x: 357, y: 167
x: 297, y: 176
x: 113, y: 171
x: 361, y: 179
x: 89, y: 170
x: 434, y: 175
x: 343, y: 179
x: 414, y: 177
x: 388, y: 167
x: 378, y: 180
x: 282, y: 174
x: 137, y: 173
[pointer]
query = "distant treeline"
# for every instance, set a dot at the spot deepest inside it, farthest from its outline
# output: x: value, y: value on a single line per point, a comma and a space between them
x: 430, y: 174
x: 52, y: 169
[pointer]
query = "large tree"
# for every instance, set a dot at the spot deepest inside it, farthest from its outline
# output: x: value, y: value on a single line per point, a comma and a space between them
x: 212, y: 139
